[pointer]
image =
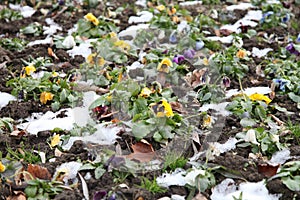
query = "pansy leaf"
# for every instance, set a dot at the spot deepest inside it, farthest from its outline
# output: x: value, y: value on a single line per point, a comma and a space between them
x: 99, y: 171
x: 247, y: 122
x: 141, y: 129
x: 294, y: 97
x: 292, y: 183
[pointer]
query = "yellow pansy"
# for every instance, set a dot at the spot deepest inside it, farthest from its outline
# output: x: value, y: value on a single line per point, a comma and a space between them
x: 207, y: 121
x: 46, y: 96
x: 55, y: 140
x: 90, y: 17
x: 168, y: 108
x: 122, y: 44
x: 2, y: 167
x: 205, y: 61
x: 54, y: 74
x: 260, y: 97
x: 241, y: 53
x: 112, y: 34
x: 164, y: 65
x: 29, y: 69
x: 145, y: 92
x: 160, y: 8
x: 175, y: 19
x: 189, y: 18
x: 171, y: 11
x: 90, y: 58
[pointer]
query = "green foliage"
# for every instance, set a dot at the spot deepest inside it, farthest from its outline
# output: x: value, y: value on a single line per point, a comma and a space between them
x: 290, y: 175
x: 89, y: 30
x: 29, y: 87
x: 120, y: 176
x: 10, y: 15
x: 229, y: 64
x: 151, y: 186
x: 6, y: 125
x: 34, y: 28
x: 14, y: 44
x: 174, y: 161
x: 43, y: 189
x: 23, y: 154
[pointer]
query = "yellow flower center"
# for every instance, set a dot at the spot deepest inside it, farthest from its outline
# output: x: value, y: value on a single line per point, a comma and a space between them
x: 160, y: 8
x: 55, y: 140
x: 145, y: 92
x: 168, y: 108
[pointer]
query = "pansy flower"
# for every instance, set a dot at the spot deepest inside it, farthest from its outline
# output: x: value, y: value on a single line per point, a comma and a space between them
x: 241, y: 53
x: 226, y: 81
x: 160, y: 8
x: 164, y: 65
x: 2, y: 167
x: 260, y: 97
x: 90, y: 17
x: 173, y: 38
x: 55, y: 140
x: 178, y: 59
x: 28, y: 70
x: 146, y: 92
x: 122, y: 44
x: 291, y: 48
x: 46, y: 96
x: 168, y: 108
x: 285, y: 18
x: 281, y: 83
x: 189, y: 53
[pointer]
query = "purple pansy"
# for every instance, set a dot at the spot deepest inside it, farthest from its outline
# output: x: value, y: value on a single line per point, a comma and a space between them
x: 189, y: 53
x: 290, y: 47
x: 178, y: 59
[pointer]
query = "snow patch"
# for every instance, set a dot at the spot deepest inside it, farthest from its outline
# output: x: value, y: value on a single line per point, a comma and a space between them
x: 143, y: 16
x: 227, y: 190
x: 5, y: 98
x: 220, y: 108
x: 249, y: 91
x: 26, y: 11
x: 241, y: 6
x: 260, y: 52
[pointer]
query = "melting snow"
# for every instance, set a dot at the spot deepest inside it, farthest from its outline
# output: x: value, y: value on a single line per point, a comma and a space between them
x: 5, y: 98
x: 132, y: 30
x: 249, y: 91
x: 83, y: 49
x: 280, y: 157
x: 241, y: 6
x: 26, y: 11
x: 260, y: 52
x: 144, y: 16
x: 48, y: 121
x: 227, y: 190
x: 179, y: 177
x: 47, y: 40
x: 228, y: 39
x: 220, y: 108
x: 53, y: 27
x: 222, y: 148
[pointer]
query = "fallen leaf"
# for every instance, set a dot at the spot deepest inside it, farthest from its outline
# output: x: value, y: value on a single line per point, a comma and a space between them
x: 142, y: 151
x: 39, y: 172
x: 52, y: 54
x: 18, y: 195
x: 267, y: 169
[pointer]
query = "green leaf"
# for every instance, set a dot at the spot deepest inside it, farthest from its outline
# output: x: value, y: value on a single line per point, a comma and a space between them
x: 206, y: 97
x: 63, y: 95
x: 87, y: 166
x: 31, y: 191
x: 99, y: 171
x: 292, y: 183
x: 247, y: 122
x: 294, y: 97
x: 55, y: 106
x: 98, y: 102
x: 140, y: 129
x: 261, y: 112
